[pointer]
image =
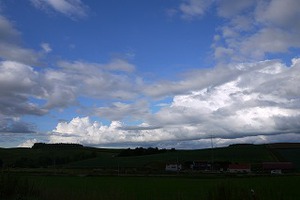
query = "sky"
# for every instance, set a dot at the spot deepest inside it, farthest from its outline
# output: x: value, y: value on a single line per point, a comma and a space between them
x: 183, y: 74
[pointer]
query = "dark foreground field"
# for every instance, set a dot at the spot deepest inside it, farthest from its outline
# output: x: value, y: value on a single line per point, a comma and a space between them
x: 177, y: 187
x: 64, y: 171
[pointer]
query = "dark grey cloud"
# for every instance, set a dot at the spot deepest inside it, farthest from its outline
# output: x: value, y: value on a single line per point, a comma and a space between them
x: 12, y: 126
x: 124, y: 111
x: 139, y: 128
x: 288, y: 124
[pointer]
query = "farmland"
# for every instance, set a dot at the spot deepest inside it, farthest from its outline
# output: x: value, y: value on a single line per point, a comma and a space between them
x: 95, y: 173
x: 91, y: 158
x: 159, y: 187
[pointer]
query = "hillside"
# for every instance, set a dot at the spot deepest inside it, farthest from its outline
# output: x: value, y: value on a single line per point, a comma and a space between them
x: 97, y: 158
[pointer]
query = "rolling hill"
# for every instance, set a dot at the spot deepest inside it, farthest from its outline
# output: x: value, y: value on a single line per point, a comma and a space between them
x: 96, y: 158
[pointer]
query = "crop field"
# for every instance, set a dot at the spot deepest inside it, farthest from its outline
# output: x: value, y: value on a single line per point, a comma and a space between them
x: 134, y: 187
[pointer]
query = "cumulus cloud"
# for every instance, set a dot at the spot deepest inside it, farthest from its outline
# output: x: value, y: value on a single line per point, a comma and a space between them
x: 73, y: 9
x: 28, y: 143
x: 82, y: 130
x: 253, y: 105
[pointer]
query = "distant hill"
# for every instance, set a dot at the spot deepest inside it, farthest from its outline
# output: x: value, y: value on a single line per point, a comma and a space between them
x: 286, y: 152
x: 57, y: 146
x: 78, y: 156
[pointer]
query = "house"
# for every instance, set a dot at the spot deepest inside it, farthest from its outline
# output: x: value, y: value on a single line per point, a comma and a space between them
x: 173, y: 167
x: 277, y: 167
x: 201, y: 165
x: 239, y: 168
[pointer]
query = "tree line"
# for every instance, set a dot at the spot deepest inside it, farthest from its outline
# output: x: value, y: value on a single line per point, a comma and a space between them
x: 140, y: 151
x: 57, y: 146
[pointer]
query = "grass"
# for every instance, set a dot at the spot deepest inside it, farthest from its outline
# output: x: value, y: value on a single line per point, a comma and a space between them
x: 247, y: 154
x: 291, y: 155
x: 15, y: 187
x: 148, y: 188
x: 64, y: 181
x: 107, y: 158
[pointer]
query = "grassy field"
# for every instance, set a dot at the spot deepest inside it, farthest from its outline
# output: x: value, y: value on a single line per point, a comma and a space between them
x: 91, y: 173
x: 246, y: 154
x: 94, y: 158
x: 108, y: 187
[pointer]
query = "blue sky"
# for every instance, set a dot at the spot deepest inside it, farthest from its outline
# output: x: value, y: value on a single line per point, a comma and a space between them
x: 166, y: 73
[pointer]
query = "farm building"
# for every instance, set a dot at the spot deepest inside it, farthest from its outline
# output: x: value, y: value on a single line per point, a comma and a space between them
x: 239, y: 168
x: 200, y: 165
x: 277, y: 167
x: 173, y: 167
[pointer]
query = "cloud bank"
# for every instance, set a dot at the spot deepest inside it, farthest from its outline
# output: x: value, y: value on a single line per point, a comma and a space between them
x: 259, y: 100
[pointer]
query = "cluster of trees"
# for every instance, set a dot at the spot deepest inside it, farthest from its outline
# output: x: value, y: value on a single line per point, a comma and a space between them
x: 140, y: 151
x: 57, y: 146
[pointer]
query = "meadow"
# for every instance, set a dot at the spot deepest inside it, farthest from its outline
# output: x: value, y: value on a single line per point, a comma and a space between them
x: 95, y: 173
x: 97, y: 158
x: 153, y: 187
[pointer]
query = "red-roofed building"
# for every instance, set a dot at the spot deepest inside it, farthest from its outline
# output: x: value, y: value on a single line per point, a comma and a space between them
x: 277, y: 166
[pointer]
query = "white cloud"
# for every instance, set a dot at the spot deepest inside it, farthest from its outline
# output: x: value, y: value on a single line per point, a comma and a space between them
x: 255, y: 29
x: 252, y: 105
x: 82, y: 130
x: 73, y: 9
x: 230, y: 8
x: 191, y: 81
x: 61, y: 87
x: 284, y: 14
x: 194, y: 8
x: 95, y: 80
x: 120, y: 65
x: 28, y: 143
x: 46, y: 47
x: 19, y: 82
x: 252, y: 29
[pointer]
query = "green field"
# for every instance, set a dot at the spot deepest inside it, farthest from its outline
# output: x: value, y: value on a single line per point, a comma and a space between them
x: 94, y: 173
x: 108, y: 159
x: 177, y: 187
